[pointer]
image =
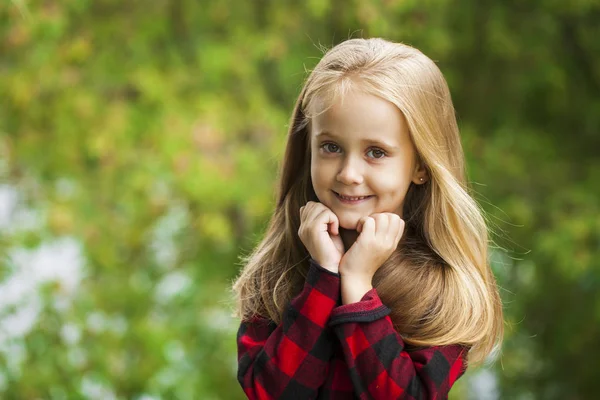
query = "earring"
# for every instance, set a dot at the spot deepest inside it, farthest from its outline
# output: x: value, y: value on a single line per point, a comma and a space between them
x: 421, y: 179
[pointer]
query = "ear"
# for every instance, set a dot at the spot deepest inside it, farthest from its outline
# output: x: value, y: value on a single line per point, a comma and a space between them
x: 420, y: 175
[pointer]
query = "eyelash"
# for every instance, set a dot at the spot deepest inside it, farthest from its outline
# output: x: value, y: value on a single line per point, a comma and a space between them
x: 383, y: 153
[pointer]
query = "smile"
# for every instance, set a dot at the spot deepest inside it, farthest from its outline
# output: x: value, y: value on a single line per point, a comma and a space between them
x: 351, y: 200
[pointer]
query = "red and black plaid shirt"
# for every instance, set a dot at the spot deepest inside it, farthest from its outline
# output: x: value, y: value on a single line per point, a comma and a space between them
x: 324, y: 350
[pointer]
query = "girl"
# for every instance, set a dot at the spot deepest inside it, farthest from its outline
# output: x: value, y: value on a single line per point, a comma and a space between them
x: 372, y: 280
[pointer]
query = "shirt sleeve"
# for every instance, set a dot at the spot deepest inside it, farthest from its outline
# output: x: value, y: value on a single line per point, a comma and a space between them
x: 291, y: 360
x: 380, y: 367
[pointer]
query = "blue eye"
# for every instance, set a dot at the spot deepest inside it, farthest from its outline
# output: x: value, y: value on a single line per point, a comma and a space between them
x: 377, y: 153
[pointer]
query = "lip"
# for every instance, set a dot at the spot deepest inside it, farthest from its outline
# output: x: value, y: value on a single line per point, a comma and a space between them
x: 351, y: 202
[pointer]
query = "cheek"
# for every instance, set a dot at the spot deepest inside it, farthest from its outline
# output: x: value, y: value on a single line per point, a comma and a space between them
x: 319, y: 171
x: 314, y: 175
x: 391, y: 186
x: 317, y: 178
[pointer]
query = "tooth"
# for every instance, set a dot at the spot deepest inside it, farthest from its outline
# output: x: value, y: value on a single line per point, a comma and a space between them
x: 353, y: 198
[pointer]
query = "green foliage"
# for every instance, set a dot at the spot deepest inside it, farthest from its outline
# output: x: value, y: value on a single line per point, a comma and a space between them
x: 146, y: 135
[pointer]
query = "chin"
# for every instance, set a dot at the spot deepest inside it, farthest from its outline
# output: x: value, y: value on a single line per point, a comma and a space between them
x: 348, y: 222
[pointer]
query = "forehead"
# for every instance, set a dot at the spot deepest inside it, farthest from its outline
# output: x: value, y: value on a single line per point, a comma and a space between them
x: 357, y: 115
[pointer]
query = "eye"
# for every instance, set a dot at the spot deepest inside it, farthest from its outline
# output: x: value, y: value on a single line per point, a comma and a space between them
x: 330, y: 147
x: 376, y: 153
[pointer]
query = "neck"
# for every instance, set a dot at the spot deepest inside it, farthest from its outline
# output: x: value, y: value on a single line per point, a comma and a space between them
x: 348, y: 237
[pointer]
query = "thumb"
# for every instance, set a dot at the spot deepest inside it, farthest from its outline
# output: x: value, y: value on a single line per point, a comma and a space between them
x: 361, y: 222
x: 334, y: 224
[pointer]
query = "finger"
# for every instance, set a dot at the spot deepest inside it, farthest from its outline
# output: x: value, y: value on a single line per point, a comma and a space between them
x: 334, y: 227
x: 314, y: 208
x: 400, y: 230
x: 396, y: 227
x: 324, y: 217
x: 310, y: 211
x: 305, y: 209
x: 368, y: 228
x: 333, y: 223
x: 382, y: 224
x: 360, y: 224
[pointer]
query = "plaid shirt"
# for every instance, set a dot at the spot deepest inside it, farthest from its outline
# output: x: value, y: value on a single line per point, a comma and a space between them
x: 324, y: 350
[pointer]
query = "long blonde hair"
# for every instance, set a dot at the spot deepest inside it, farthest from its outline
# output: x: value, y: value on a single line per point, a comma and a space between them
x: 438, y: 283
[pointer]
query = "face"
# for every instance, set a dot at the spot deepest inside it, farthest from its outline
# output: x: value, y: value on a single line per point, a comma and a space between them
x: 362, y: 158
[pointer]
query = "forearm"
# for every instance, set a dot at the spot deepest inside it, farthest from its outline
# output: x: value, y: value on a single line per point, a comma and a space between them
x: 273, y: 360
x: 383, y: 369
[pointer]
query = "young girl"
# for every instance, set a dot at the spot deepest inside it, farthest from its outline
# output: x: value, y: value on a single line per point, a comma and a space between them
x: 372, y: 280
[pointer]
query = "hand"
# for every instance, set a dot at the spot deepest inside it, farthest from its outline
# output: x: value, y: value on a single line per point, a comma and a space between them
x: 319, y: 232
x: 379, y: 237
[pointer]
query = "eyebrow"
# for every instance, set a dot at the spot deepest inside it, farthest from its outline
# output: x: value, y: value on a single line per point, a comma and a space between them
x: 370, y: 141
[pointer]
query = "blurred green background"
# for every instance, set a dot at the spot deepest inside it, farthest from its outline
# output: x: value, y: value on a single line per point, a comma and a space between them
x: 139, y: 146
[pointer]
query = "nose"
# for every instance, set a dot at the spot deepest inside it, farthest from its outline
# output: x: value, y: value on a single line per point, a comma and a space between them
x: 350, y: 172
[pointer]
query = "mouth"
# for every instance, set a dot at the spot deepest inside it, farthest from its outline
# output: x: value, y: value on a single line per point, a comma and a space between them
x: 351, y: 199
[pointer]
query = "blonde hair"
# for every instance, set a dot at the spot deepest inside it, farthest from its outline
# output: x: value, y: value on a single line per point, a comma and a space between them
x: 438, y: 283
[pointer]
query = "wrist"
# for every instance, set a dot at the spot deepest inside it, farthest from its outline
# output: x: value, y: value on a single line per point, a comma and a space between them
x: 356, y: 278
x: 330, y: 267
x: 353, y: 288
